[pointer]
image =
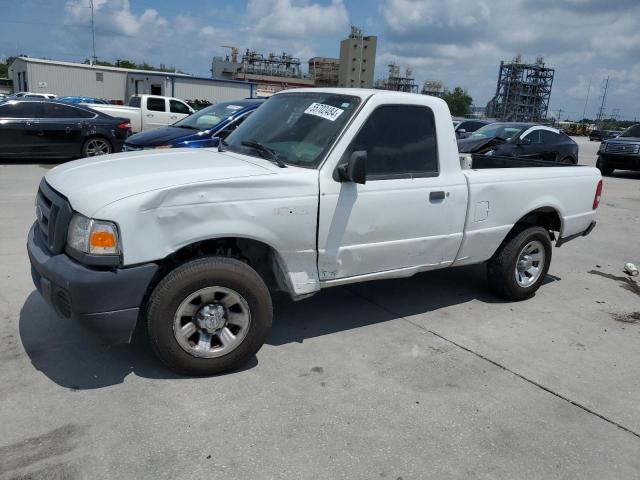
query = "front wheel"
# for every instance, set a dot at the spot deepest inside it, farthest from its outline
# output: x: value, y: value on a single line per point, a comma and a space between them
x: 605, y: 169
x: 209, y: 316
x: 518, y: 268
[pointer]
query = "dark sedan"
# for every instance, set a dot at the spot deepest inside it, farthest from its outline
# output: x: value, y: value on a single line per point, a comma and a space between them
x: 200, y: 130
x: 32, y: 128
x: 523, y: 140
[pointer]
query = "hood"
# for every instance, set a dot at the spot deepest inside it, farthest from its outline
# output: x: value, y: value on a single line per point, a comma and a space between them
x: 160, y: 136
x: 92, y: 183
x: 623, y: 140
x: 474, y: 145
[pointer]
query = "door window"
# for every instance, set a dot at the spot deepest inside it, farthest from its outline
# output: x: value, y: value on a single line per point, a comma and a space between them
x: 549, y: 138
x: 20, y: 110
x: 178, y: 107
x: 155, y: 104
x: 55, y: 110
x: 534, y: 137
x: 400, y: 141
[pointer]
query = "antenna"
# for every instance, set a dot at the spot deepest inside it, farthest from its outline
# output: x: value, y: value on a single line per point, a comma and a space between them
x: 93, y: 35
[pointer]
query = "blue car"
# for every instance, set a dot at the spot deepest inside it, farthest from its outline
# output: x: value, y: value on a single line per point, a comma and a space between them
x: 83, y: 100
x: 202, y: 129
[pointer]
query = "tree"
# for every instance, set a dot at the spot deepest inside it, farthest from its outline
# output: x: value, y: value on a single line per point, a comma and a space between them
x: 459, y: 101
x: 4, y: 66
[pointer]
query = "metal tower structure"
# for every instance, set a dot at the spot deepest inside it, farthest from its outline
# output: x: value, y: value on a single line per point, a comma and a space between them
x: 396, y: 82
x: 603, y: 88
x: 523, y: 91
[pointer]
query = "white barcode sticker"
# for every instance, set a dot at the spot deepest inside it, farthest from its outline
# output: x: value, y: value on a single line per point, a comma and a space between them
x: 324, y: 111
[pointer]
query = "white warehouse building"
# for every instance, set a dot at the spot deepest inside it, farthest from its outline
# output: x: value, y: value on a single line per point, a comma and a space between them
x: 113, y: 83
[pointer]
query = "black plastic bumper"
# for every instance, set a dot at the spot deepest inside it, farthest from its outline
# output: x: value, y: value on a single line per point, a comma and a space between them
x: 562, y: 241
x: 107, y: 301
x: 622, y: 162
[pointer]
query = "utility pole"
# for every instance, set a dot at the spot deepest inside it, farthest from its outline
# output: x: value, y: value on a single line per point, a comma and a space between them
x: 604, y: 88
x: 559, y: 115
x: 584, y: 112
x: 93, y: 35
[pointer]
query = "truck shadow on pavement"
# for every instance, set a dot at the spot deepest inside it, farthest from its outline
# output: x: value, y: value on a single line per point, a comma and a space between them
x: 73, y: 358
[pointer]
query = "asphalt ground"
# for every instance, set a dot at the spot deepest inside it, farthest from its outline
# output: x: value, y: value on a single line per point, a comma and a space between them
x: 427, y: 377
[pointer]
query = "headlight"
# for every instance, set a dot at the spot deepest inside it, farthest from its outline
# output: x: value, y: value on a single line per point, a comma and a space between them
x: 95, y: 237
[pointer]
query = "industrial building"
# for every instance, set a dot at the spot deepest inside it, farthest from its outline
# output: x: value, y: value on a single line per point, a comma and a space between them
x: 396, y: 82
x: 357, y: 60
x: 118, y: 84
x: 324, y: 71
x: 523, y: 91
x: 270, y: 73
x: 433, y: 88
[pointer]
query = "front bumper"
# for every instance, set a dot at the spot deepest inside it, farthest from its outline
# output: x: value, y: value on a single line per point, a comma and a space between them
x: 621, y: 161
x: 107, y: 301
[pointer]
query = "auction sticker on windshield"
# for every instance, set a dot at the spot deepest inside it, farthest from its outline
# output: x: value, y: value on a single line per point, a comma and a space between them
x: 324, y: 111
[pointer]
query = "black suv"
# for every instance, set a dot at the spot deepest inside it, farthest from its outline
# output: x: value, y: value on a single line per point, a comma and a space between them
x: 621, y: 153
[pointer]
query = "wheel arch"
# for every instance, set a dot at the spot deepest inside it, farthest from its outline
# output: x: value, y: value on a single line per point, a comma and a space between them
x: 91, y: 137
x: 547, y: 217
x: 259, y: 255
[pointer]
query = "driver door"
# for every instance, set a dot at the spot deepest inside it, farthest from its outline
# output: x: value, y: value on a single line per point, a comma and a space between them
x: 409, y: 214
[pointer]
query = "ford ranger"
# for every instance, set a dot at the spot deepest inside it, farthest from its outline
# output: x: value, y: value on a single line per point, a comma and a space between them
x: 318, y: 188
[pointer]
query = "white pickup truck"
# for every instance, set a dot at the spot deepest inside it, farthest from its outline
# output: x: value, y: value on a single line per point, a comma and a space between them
x: 146, y: 112
x: 318, y: 188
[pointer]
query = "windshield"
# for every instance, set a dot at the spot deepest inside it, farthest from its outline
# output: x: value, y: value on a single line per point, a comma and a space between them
x: 210, y: 116
x: 298, y: 127
x: 496, y: 130
x: 632, y: 131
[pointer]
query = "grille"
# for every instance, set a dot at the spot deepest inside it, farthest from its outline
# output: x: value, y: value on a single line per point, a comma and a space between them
x: 621, y: 148
x: 53, y: 213
x: 63, y: 303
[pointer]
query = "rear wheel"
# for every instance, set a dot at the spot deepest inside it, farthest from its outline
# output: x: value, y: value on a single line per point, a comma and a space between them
x: 96, y: 146
x: 568, y: 161
x: 209, y: 316
x: 519, y: 266
x: 604, y: 168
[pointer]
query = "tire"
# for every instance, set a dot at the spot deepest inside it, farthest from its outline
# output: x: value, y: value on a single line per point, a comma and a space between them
x: 222, y: 291
x: 504, y: 269
x: 568, y: 161
x: 604, y: 168
x: 96, y: 146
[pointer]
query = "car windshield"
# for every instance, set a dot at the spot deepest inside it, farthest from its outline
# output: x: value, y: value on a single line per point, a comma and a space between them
x: 298, y: 128
x: 210, y: 116
x: 496, y: 130
x: 632, y: 131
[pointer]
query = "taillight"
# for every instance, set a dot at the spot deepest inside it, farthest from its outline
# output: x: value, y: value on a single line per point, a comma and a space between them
x: 124, y: 125
x: 596, y: 199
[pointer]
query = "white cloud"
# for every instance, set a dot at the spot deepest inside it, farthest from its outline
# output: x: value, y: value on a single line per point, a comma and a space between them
x: 286, y: 19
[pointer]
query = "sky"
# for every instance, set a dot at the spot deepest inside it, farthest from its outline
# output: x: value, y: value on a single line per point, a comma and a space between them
x: 459, y: 42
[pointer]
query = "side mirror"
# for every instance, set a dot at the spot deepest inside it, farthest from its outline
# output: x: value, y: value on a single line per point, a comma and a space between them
x: 355, y: 170
x: 524, y: 141
x: 461, y: 130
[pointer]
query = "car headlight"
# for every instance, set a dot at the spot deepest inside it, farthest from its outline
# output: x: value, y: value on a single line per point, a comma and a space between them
x: 95, y: 237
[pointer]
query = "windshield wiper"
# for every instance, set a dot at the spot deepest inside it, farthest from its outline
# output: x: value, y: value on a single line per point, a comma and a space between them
x: 186, y: 126
x: 273, y: 156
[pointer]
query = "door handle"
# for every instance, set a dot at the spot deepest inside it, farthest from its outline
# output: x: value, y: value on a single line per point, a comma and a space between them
x: 149, y: 115
x: 436, y: 196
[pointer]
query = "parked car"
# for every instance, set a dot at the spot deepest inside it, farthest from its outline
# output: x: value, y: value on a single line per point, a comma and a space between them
x: 600, y: 135
x: 202, y: 129
x: 317, y: 188
x: 88, y: 100
x: 464, y: 127
x: 146, y: 112
x: 621, y: 153
x: 45, y: 96
x: 522, y: 140
x: 33, y: 128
